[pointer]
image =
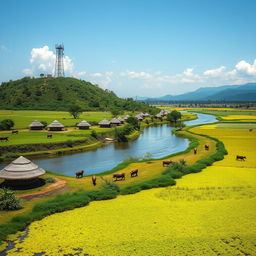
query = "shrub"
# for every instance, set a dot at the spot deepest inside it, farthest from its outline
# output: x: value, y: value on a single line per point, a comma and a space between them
x: 8, y: 200
x: 94, y: 134
x: 49, y: 180
x: 110, y: 185
x: 6, y: 124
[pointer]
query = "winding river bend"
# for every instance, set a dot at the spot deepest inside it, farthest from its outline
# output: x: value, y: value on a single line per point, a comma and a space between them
x: 158, y: 140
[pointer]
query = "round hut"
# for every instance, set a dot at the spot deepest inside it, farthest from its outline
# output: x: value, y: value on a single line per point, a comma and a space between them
x: 36, y: 125
x: 115, y: 122
x: 21, y: 172
x: 83, y: 125
x: 104, y: 123
x: 55, y: 126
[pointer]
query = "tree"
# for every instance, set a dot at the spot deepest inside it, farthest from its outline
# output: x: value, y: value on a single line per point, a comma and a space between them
x: 6, y: 124
x: 173, y: 116
x: 8, y: 200
x: 75, y: 111
x: 134, y: 122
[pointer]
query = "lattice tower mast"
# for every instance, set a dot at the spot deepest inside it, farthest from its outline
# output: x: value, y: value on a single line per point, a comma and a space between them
x: 59, y: 65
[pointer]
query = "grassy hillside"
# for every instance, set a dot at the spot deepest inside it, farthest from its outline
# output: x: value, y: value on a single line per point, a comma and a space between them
x: 60, y: 93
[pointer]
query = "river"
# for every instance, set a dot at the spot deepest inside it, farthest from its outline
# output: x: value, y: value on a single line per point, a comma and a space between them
x: 156, y: 140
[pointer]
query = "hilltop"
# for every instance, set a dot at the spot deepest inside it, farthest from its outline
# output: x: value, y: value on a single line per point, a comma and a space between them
x: 60, y: 93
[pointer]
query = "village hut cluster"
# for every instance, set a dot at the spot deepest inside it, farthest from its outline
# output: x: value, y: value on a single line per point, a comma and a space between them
x: 162, y: 113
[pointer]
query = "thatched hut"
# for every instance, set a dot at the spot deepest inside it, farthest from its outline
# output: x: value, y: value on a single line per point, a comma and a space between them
x: 159, y: 116
x: 139, y: 117
x: 36, y: 125
x: 83, y: 125
x: 105, y: 123
x: 55, y: 126
x: 146, y: 115
x: 115, y: 122
x: 21, y: 171
x: 121, y: 119
x: 126, y: 117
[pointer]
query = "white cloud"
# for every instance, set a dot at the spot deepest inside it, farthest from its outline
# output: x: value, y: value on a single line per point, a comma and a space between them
x: 214, y: 72
x: 247, y: 68
x: 43, y: 60
x: 96, y: 75
x: 27, y: 71
x: 133, y: 74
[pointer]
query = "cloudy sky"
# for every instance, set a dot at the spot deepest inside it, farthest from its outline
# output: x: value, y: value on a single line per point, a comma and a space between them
x: 133, y: 47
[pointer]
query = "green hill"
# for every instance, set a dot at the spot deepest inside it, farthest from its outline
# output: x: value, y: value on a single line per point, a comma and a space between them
x: 60, y: 93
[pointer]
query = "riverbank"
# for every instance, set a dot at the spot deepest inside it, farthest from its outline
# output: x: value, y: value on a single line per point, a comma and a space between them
x: 149, y: 170
x: 67, y: 142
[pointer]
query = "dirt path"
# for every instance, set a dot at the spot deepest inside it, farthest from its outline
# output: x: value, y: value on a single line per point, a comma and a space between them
x: 50, y: 189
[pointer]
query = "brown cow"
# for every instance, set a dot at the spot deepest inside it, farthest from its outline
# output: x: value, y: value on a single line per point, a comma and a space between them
x: 15, y: 131
x: 195, y: 151
x: 6, y: 138
x: 250, y: 130
x: 134, y: 173
x: 94, y: 180
x: 80, y: 174
x: 242, y: 158
x: 120, y: 176
x: 167, y: 162
x: 206, y: 147
x: 49, y: 135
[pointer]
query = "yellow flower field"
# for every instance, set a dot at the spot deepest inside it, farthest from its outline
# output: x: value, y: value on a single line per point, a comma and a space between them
x: 208, y: 213
x: 239, y: 117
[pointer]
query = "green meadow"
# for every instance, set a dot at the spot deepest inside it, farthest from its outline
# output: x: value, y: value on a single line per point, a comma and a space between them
x: 23, y: 118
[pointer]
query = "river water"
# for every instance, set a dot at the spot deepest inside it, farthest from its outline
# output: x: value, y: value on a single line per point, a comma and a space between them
x: 158, y: 140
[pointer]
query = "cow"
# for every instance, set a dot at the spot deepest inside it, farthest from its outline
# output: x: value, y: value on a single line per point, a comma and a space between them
x: 167, y: 162
x: 195, y: 151
x: 6, y: 138
x: 134, y: 173
x: 15, y: 132
x: 242, y: 158
x: 80, y: 174
x: 206, y: 147
x: 49, y: 135
x: 250, y: 130
x: 119, y: 176
x: 94, y: 180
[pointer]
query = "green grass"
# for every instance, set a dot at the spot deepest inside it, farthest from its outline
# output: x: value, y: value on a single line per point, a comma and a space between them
x: 23, y: 118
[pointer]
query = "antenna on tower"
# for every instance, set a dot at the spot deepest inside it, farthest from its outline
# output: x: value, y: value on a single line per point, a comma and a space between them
x: 59, y: 65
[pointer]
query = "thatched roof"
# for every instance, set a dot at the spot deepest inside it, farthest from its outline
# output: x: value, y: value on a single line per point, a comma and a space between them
x: 21, y: 169
x: 115, y: 121
x: 159, y: 115
x: 121, y: 119
x: 126, y: 117
x: 139, y: 116
x: 146, y: 114
x: 56, y: 124
x: 36, y: 124
x: 104, y: 122
x: 83, y: 124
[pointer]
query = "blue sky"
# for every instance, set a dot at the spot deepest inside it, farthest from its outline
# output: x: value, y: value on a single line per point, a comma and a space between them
x: 143, y: 48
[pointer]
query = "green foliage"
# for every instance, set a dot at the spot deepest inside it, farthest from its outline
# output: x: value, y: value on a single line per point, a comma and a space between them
x: 6, y: 124
x: 44, y: 123
x: 75, y: 111
x: 94, y: 134
x: 8, y: 200
x: 110, y: 185
x: 134, y: 122
x: 173, y: 116
x: 59, y: 204
x: 58, y: 93
x: 49, y: 180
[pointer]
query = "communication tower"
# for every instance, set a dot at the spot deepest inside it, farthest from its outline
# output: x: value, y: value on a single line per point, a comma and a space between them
x: 59, y: 65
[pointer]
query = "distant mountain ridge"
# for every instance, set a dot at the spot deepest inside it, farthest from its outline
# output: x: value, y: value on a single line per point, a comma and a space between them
x: 246, y: 92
